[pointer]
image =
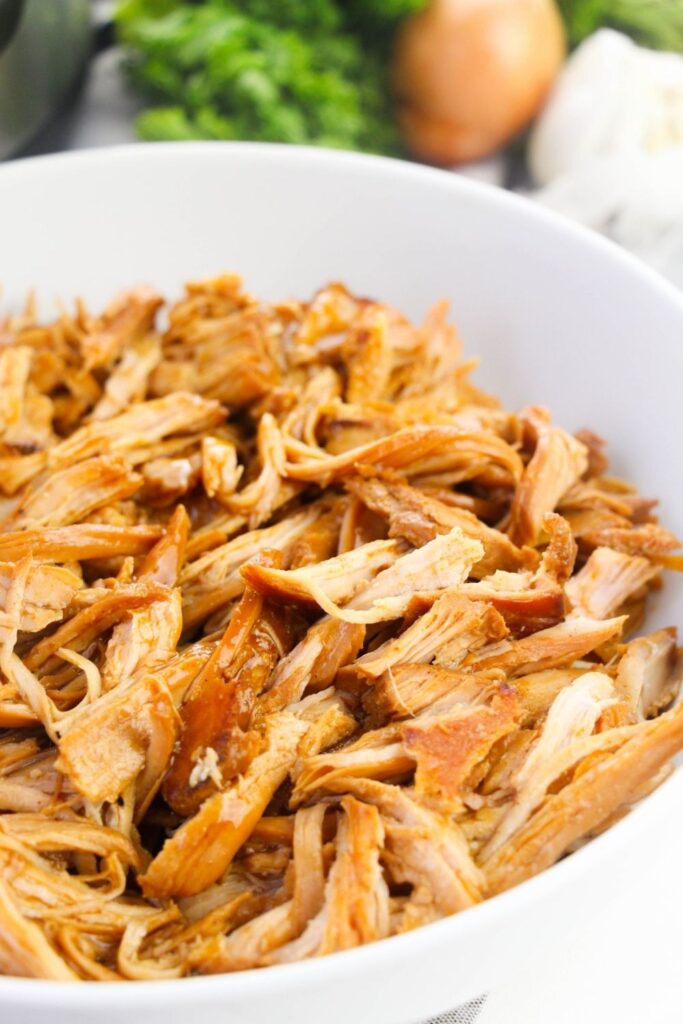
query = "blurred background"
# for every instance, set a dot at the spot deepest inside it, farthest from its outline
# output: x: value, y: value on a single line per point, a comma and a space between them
x: 578, y: 103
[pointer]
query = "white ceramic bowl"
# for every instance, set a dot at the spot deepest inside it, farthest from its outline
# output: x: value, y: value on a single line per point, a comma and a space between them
x: 559, y: 317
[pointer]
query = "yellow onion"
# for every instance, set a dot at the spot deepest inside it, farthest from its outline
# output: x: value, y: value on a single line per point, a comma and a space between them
x: 470, y: 74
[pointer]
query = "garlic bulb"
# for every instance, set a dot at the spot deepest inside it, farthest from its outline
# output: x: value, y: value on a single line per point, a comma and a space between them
x: 612, y: 97
x: 608, y: 147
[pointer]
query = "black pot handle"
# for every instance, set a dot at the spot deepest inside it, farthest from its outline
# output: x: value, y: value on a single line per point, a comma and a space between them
x: 104, y: 36
x: 10, y: 16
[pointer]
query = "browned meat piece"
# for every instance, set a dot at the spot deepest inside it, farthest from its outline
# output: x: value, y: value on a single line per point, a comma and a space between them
x: 146, y: 639
x: 92, y: 621
x: 262, y: 495
x: 537, y: 690
x: 418, y: 451
x: 607, y: 580
x: 585, y: 803
x: 203, y: 847
x: 442, y: 746
x: 649, y: 540
x: 608, y: 495
x: 424, y: 848
x: 181, y: 671
x: 325, y: 537
x: 334, y: 580
x: 559, y: 558
x: 138, y: 427
x: 167, y: 480
x: 418, y: 518
x: 313, y: 664
x: 165, y: 561
x: 379, y: 755
x: 15, y: 365
x: 558, y: 461
x: 24, y: 949
x: 549, y: 648
x: 331, y: 310
x: 127, y: 736
x: 571, y: 718
x: 419, y: 574
x: 448, y: 747
x: 25, y: 413
x: 356, y: 899
x: 128, y: 318
x: 405, y: 690
x: 128, y: 381
x: 531, y: 601
x: 595, y: 446
x: 309, y: 866
x: 221, y: 471
x: 78, y: 542
x: 452, y: 627
x: 18, y: 470
x: 649, y: 673
x: 213, y: 534
x: 212, y: 580
x: 64, y: 836
x: 215, y: 742
x: 247, y: 946
x: 48, y: 591
x: 367, y: 353
x: 525, y: 604
x: 220, y: 344
x: 71, y: 494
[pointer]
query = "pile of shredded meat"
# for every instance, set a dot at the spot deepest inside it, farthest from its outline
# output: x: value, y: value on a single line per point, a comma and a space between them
x: 304, y: 640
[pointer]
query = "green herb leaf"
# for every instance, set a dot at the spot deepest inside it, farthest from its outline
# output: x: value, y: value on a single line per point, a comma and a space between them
x: 655, y: 23
x: 274, y: 70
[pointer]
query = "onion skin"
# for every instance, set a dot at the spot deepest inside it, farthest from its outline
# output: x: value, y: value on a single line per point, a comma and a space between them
x: 471, y: 74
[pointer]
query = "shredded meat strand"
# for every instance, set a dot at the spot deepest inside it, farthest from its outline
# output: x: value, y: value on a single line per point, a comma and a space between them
x: 305, y: 641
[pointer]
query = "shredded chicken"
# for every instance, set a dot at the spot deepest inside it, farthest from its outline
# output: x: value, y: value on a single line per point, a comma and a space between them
x: 572, y: 716
x: 127, y: 382
x: 204, y: 846
x: 49, y: 590
x: 607, y: 580
x: 649, y: 672
x: 221, y: 471
x: 596, y: 793
x: 70, y: 494
x: 557, y: 462
x: 440, y: 564
x: 418, y: 518
x: 305, y: 641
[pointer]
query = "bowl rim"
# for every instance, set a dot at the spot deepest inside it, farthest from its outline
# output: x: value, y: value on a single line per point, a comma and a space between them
x: 367, y: 163
x: 25, y: 992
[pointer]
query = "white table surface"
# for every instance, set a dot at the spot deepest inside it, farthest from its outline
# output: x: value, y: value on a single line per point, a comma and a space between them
x: 626, y: 967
